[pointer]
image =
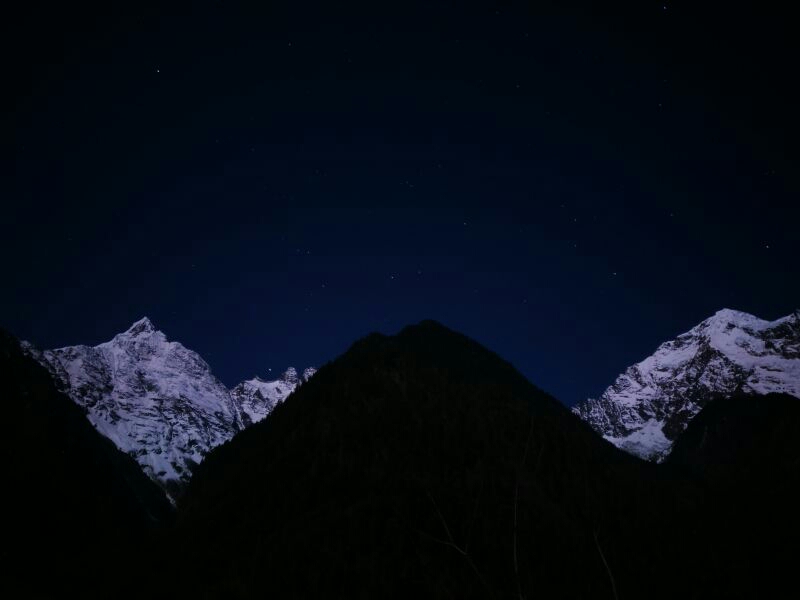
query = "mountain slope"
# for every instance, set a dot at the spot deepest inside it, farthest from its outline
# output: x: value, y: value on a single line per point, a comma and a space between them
x: 650, y: 404
x: 416, y: 465
x: 74, y: 508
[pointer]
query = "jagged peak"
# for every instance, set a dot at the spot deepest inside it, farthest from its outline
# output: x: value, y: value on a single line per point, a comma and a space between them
x: 143, y: 325
x: 730, y: 313
x: 727, y: 316
x: 290, y: 375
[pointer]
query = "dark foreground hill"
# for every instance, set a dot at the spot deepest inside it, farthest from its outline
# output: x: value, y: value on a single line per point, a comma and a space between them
x: 421, y: 465
x: 75, y: 510
x: 744, y: 453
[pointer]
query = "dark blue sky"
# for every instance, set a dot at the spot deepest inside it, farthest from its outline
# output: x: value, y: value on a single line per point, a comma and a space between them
x: 568, y: 183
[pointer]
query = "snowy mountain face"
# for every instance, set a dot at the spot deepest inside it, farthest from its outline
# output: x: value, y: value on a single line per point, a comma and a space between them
x: 256, y: 397
x: 157, y: 400
x: 650, y: 404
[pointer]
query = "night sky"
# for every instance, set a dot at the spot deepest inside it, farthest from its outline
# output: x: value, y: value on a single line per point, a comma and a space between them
x: 568, y: 183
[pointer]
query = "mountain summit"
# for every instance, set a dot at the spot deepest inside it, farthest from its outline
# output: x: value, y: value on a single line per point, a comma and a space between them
x: 156, y: 399
x: 729, y: 353
x: 142, y: 326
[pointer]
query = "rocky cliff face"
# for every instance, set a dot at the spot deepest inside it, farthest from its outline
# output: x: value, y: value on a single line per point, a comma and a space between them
x: 652, y: 402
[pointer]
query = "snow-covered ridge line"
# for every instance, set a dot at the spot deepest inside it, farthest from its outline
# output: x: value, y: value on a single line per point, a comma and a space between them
x: 257, y: 397
x: 652, y: 402
x: 159, y: 401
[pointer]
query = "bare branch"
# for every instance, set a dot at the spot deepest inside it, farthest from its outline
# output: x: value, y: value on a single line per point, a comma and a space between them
x: 605, y: 564
x: 452, y: 544
x: 433, y: 538
x: 475, y: 512
x: 442, y: 519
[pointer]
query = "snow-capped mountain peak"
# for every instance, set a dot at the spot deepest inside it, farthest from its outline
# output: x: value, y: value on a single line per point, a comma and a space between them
x: 651, y: 403
x: 154, y: 398
x: 157, y: 400
x: 142, y: 326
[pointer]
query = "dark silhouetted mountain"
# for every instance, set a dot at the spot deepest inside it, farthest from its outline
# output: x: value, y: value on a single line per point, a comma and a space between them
x: 77, y: 512
x: 747, y: 438
x: 418, y: 465
x: 743, y: 452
